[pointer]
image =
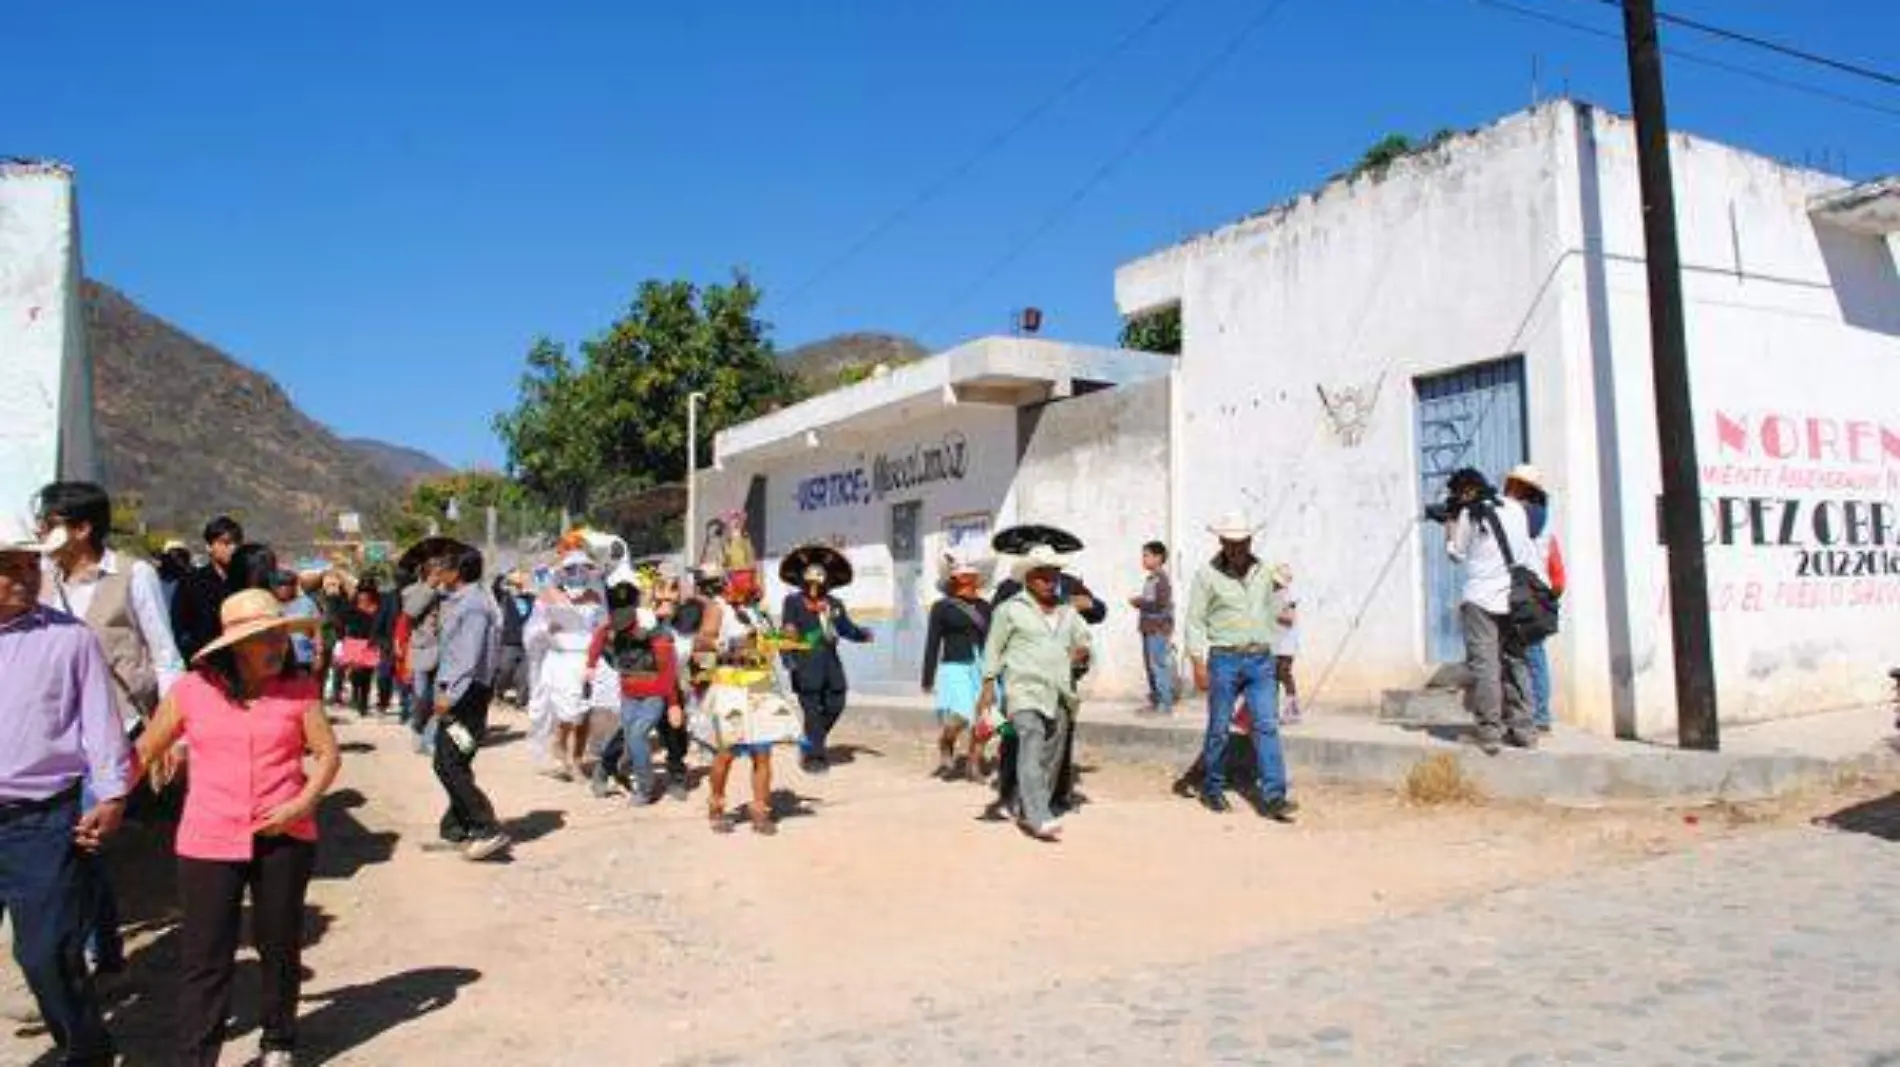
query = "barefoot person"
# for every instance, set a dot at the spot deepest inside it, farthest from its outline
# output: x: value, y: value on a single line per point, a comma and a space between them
x: 953, y: 668
x: 249, y: 820
x: 59, y: 731
x: 1036, y: 640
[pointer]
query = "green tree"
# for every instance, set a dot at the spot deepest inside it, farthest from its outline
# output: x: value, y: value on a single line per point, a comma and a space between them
x: 615, y: 422
x: 1154, y: 331
x: 473, y: 493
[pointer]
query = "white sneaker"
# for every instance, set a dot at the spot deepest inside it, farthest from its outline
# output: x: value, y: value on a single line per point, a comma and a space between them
x: 277, y: 1057
x: 483, y: 847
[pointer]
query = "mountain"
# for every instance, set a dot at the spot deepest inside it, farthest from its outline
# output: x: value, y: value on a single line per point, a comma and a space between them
x: 399, y: 461
x: 842, y: 360
x: 193, y: 433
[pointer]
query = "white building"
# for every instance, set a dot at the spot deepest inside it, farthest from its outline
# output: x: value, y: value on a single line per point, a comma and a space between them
x: 1484, y: 303
x: 1481, y: 303
x: 933, y: 457
x: 46, y: 408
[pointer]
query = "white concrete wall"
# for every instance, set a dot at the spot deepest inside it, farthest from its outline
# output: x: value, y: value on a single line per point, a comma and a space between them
x: 1452, y: 258
x: 1527, y: 237
x: 46, y: 419
x: 1794, y: 340
x: 1097, y: 465
x: 853, y: 513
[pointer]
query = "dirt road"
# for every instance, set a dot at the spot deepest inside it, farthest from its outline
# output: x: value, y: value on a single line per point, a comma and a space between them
x: 613, y: 935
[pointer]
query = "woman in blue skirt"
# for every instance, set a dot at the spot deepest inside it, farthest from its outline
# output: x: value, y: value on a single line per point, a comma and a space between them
x: 953, y: 653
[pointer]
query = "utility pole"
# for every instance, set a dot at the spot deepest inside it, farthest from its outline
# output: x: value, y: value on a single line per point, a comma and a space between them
x: 688, y: 552
x: 1681, y: 511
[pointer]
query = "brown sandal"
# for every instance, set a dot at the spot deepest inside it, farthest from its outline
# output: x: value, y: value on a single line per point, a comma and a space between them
x: 716, y: 814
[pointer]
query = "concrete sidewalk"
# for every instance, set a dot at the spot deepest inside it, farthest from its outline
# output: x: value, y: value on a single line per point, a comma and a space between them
x: 1570, y: 767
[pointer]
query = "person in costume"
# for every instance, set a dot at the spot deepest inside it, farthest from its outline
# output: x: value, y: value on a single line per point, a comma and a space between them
x: 953, y: 662
x: 727, y: 640
x: 558, y: 633
x: 819, y: 621
x: 640, y: 653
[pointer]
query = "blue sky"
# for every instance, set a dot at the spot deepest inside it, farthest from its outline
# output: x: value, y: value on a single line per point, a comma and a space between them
x: 381, y: 204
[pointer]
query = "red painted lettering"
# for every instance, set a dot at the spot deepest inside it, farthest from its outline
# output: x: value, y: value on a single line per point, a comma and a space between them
x: 1860, y: 442
x: 1780, y: 437
x: 1824, y: 439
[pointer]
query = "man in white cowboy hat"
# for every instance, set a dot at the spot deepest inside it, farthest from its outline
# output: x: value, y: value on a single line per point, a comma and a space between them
x: 1232, y: 615
x: 1036, y: 640
x: 1525, y: 484
x: 59, y: 730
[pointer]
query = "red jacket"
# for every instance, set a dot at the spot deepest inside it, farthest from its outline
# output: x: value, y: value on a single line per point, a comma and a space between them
x: 663, y: 683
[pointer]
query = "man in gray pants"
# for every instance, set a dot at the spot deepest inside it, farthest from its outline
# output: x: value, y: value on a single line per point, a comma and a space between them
x: 1499, y: 696
x: 1036, y: 641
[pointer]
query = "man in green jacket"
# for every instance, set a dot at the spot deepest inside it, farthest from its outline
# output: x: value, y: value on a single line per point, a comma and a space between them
x: 1232, y: 617
x: 1035, y: 642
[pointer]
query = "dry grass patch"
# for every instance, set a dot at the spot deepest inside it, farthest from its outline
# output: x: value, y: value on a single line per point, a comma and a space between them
x: 1440, y: 779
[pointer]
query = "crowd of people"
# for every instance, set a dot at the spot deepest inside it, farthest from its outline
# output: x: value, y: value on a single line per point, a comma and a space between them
x: 126, y: 683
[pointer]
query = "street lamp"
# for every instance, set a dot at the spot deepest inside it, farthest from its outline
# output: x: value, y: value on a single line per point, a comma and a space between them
x: 693, y: 400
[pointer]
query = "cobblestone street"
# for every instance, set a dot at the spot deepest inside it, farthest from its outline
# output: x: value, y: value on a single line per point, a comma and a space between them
x: 1778, y: 949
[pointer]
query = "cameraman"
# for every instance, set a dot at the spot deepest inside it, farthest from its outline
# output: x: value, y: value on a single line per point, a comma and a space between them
x: 1475, y: 517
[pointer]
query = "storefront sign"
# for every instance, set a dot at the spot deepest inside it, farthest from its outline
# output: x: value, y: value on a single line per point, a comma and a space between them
x: 886, y: 474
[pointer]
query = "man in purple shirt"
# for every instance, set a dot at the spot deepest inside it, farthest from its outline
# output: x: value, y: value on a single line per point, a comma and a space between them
x: 58, y: 729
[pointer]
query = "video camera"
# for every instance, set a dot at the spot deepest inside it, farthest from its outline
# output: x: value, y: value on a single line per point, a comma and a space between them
x: 1465, y: 488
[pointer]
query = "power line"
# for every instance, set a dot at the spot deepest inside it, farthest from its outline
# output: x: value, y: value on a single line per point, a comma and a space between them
x: 1108, y: 166
x: 963, y: 169
x: 1771, y: 46
x: 1701, y: 60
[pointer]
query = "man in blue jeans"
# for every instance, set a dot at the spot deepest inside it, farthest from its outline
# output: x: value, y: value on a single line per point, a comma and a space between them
x: 1154, y: 610
x: 58, y: 730
x: 1231, y: 618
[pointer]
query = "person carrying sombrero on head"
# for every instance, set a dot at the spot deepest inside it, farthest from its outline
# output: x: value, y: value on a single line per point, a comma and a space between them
x: 819, y: 618
x: 1036, y: 640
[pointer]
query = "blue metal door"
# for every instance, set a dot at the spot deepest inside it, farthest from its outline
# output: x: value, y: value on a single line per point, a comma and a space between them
x: 1468, y: 418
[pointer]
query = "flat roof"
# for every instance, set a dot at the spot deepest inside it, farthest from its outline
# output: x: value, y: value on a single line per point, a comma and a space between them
x: 1001, y: 371
x: 1871, y: 208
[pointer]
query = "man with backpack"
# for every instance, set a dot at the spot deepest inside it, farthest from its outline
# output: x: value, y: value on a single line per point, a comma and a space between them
x: 1489, y: 536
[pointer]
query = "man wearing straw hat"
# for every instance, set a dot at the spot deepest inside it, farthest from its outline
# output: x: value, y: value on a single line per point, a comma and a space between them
x: 59, y: 730
x: 1036, y: 640
x: 1232, y: 616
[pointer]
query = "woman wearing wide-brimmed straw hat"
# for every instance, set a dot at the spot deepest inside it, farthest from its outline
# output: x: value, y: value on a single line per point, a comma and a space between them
x: 249, y: 819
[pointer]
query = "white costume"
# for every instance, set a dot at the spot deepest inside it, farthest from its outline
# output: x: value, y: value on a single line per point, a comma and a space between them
x: 555, y: 639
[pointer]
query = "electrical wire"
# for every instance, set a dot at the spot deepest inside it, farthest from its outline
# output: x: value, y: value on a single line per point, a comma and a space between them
x: 1771, y: 46
x: 1108, y: 166
x: 989, y: 147
x: 1698, y: 59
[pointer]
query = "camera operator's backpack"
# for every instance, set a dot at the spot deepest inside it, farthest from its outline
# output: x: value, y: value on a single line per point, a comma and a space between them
x: 1533, y: 606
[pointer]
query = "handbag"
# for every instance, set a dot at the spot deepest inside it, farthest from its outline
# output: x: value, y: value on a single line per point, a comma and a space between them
x: 1533, y: 613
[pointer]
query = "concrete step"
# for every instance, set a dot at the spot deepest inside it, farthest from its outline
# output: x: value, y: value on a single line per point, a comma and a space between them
x: 1431, y: 706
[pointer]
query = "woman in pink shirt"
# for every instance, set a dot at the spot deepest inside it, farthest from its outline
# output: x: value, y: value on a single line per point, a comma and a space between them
x: 249, y: 819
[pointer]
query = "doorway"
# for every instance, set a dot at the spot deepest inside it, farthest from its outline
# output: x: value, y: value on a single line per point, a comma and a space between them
x: 1472, y: 417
